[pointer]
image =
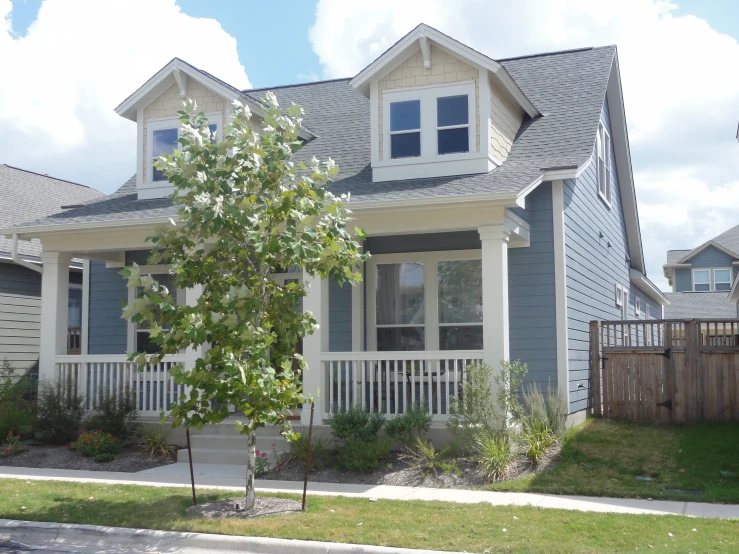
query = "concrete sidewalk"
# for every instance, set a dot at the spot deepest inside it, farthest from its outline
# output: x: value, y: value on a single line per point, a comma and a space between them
x: 227, y: 477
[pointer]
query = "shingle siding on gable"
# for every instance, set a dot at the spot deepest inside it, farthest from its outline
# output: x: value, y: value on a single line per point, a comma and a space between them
x: 20, y: 316
x: 531, y: 300
x: 107, y: 330
x: 593, y: 268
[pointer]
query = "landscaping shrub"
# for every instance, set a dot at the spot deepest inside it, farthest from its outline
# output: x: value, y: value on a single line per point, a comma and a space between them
x: 116, y: 414
x: 494, y: 452
x: 12, y: 445
x: 408, y: 427
x: 98, y: 445
x: 154, y: 441
x: 320, y: 453
x: 356, y: 423
x: 360, y: 455
x: 508, y: 381
x: 537, y: 437
x: 534, y: 404
x: 60, y: 412
x: 556, y: 410
x: 474, y: 413
x: 17, y: 406
x: 423, y: 456
x: 262, y: 465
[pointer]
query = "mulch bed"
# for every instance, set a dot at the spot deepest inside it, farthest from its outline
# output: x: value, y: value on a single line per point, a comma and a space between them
x: 234, y: 507
x: 398, y: 473
x: 129, y: 460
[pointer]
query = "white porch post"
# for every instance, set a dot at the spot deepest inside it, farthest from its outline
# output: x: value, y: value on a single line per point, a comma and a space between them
x: 316, y: 302
x: 191, y: 299
x: 494, y: 294
x: 54, y: 299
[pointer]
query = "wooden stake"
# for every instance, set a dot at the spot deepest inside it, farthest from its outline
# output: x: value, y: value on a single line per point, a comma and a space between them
x: 307, y: 454
x: 192, y: 473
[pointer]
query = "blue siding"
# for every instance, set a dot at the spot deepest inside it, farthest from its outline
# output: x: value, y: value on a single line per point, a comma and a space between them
x: 711, y: 257
x: 593, y: 267
x: 107, y: 330
x: 427, y: 242
x: 532, y: 310
x: 340, y: 317
x: 683, y: 280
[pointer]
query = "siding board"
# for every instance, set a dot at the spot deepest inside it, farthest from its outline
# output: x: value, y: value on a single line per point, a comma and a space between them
x: 20, y: 316
x: 107, y: 331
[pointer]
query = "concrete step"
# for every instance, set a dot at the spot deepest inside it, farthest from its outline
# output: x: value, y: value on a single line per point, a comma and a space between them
x: 228, y: 449
x: 236, y: 442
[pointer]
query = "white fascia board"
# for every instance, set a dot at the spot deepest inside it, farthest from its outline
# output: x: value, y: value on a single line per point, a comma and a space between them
x: 503, y: 200
x: 705, y: 245
x: 620, y: 141
x: 408, y: 42
x: 734, y: 292
x: 646, y: 286
x: 27, y: 233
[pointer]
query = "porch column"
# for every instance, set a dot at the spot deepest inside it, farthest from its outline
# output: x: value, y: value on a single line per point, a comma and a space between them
x: 315, y: 302
x: 191, y: 299
x: 494, y: 294
x: 54, y: 299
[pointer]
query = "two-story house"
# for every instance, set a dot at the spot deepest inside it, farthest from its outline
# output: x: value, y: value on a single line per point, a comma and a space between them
x: 515, y: 173
x: 29, y: 195
x: 703, y: 278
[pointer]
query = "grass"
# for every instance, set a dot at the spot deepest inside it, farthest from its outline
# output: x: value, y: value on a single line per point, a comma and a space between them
x: 410, y: 524
x: 604, y: 458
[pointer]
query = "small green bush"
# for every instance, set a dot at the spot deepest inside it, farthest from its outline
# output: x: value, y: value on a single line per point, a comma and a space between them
x: 423, y: 456
x: 17, y: 406
x: 556, y: 411
x: 60, y: 412
x: 154, y: 441
x: 117, y: 414
x: 12, y: 445
x: 320, y: 453
x: 98, y: 445
x: 536, y: 437
x: 356, y: 424
x: 474, y: 413
x: 410, y: 426
x: 364, y: 456
x: 494, y: 452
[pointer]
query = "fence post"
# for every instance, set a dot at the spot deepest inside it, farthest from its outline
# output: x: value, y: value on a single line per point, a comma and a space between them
x: 595, y: 401
x: 693, y: 384
x: 669, y: 372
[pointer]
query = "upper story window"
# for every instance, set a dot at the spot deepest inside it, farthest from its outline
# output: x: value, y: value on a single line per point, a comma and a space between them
x: 708, y: 280
x: 429, y: 122
x: 603, y: 152
x: 162, y: 141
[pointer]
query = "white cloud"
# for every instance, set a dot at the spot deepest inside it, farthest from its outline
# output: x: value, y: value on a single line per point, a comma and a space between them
x: 681, y: 89
x: 77, y: 62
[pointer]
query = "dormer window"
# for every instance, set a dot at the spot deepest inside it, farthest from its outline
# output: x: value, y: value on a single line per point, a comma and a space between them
x: 603, y: 153
x: 162, y: 141
x: 434, y: 123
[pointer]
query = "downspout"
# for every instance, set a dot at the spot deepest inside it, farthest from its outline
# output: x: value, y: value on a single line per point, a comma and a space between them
x: 17, y: 259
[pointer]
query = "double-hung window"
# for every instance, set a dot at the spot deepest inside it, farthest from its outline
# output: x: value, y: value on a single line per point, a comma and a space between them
x: 400, y: 306
x: 722, y: 279
x: 452, y: 124
x: 162, y: 141
x: 702, y: 280
x: 603, y: 153
x: 405, y: 129
x: 459, y: 283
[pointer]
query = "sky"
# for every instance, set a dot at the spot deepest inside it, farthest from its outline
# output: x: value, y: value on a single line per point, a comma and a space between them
x: 66, y: 64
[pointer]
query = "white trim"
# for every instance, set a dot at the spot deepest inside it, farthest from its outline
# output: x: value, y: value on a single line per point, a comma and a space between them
x: 619, y: 295
x: 710, y: 279
x: 374, y: 125
x: 139, y: 147
x: 423, y: 42
x: 443, y: 166
x: 637, y: 306
x: 430, y: 298
x: 603, y: 146
x: 85, y: 338
x: 485, y: 122
x: 647, y: 287
x: 560, y: 287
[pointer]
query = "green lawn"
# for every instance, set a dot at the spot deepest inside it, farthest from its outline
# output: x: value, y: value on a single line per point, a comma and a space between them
x: 410, y: 524
x: 604, y: 458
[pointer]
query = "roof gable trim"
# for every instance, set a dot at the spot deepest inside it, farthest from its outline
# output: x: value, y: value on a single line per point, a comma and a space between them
x: 704, y: 246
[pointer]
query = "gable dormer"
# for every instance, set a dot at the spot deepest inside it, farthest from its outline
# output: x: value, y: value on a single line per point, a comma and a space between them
x: 439, y: 108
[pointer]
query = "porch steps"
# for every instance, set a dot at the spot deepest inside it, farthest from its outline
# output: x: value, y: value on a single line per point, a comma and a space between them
x: 222, y: 444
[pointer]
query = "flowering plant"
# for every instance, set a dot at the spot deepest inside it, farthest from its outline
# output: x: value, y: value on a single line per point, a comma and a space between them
x: 11, y: 446
x: 262, y: 464
x: 99, y: 445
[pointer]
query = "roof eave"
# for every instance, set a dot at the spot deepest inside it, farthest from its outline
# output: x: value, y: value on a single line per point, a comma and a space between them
x: 705, y: 245
x: 646, y: 286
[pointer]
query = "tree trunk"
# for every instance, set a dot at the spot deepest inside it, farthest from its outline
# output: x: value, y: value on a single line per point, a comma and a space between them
x: 251, y: 463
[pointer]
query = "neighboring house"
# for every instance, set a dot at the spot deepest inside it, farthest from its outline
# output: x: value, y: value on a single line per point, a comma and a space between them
x: 515, y: 173
x: 28, y: 195
x: 702, y: 278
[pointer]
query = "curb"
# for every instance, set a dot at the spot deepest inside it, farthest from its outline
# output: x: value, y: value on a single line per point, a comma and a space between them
x: 121, y: 539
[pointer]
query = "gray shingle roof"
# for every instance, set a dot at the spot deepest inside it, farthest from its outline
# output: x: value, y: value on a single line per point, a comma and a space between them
x: 674, y: 256
x: 27, y: 195
x: 691, y: 305
x: 729, y: 239
x: 567, y: 87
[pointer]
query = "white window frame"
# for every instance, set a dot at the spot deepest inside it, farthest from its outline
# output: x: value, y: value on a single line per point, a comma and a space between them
x: 603, y: 156
x: 152, y: 270
x: 625, y: 304
x: 159, y: 123
x: 619, y: 295
x: 429, y: 141
x: 470, y: 117
x: 637, y: 306
x: 431, y: 290
x: 710, y: 278
x: 713, y: 278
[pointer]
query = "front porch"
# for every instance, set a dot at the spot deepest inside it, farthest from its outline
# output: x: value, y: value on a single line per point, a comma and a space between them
x: 434, y: 299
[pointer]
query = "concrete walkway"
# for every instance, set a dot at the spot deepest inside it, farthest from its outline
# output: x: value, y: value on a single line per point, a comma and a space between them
x: 228, y: 477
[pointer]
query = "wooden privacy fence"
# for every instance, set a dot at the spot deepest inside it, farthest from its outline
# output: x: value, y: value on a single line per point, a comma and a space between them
x: 665, y: 371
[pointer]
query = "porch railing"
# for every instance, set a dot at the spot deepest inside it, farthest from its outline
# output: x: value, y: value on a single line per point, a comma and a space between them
x: 74, y: 340
x: 390, y: 382
x: 93, y: 376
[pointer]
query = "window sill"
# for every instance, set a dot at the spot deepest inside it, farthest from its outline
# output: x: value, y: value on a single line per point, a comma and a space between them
x: 439, y: 166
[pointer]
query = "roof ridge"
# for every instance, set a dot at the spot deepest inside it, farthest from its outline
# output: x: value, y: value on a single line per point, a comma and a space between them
x: 550, y: 53
x: 248, y: 90
x: 49, y: 176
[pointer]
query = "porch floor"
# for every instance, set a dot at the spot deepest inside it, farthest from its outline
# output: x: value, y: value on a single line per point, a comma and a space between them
x: 228, y: 477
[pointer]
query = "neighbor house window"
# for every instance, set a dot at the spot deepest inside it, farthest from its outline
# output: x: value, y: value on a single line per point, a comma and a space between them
x: 625, y: 304
x: 400, y: 306
x: 637, y: 307
x: 603, y: 151
x: 459, y: 283
x: 162, y: 141
x: 405, y: 129
x: 452, y: 124
x: 619, y: 295
x: 722, y: 279
x: 702, y: 280
x: 142, y: 336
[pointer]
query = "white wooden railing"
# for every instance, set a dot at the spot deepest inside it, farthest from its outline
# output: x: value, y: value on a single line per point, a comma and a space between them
x: 389, y: 382
x: 92, y: 376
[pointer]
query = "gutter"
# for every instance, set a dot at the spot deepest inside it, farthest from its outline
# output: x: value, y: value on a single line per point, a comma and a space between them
x: 646, y: 286
x: 17, y: 259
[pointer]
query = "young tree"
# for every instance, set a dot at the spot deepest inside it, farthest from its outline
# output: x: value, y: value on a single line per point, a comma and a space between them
x: 245, y: 210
